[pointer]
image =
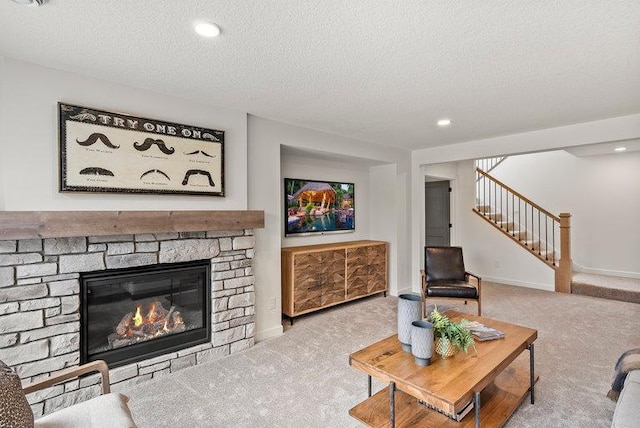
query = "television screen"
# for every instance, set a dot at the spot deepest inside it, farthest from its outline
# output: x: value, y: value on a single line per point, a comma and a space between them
x: 313, y: 206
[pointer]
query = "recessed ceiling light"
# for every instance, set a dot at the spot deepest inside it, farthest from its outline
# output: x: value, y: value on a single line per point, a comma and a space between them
x: 444, y: 122
x: 207, y: 29
x: 620, y: 149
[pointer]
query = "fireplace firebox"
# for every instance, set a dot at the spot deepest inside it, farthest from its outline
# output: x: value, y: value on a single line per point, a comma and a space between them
x: 128, y: 315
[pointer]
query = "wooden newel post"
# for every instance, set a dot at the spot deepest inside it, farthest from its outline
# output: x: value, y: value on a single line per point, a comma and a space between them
x: 564, y: 272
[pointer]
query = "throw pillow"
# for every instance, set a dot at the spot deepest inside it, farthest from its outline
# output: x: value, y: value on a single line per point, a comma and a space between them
x: 15, y: 411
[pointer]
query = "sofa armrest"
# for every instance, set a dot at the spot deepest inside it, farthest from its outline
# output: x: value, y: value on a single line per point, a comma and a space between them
x: 73, y: 372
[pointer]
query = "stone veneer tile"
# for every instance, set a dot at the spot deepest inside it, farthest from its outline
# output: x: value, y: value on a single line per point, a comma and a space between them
x: 183, y: 362
x: 224, y: 233
x: 29, y: 245
x: 166, y: 236
x: 62, y: 319
x: 123, y: 373
x: 70, y: 304
x: 20, y: 321
x: 32, y: 305
x: 64, y: 288
x: 7, y: 276
x: 65, y: 245
x: 131, y: 260
x: 65, y: 343
x: 213, y: 354
x: 49, y: 365
x: 81, y: 262
x: 19, y: 259
x: 8, y: 340
x: 238, y: 282
x: 9, y: 308
x: 229, y: 336
x: 116, y: 248
x: 244, y: 242
x: 22, y: 292
x: 191, y: 235
x: 26, y: 353
x: 8, y: 246
x: 36, y: 270
x: 67, y: 399
x: 147, y: 247
x: 241, y: 345
x: 188, y: 250
x: 110, y: 238
x: 54, y: 330
x: 94, y: 248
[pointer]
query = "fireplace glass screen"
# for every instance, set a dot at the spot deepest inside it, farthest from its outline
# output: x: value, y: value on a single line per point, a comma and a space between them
x: 138, y: 313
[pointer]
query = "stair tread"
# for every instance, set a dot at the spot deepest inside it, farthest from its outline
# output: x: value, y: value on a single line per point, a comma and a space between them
x: 606, y: 281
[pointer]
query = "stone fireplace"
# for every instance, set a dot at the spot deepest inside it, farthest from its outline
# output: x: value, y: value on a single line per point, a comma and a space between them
x: 41, y: 301
x: 132, y: 314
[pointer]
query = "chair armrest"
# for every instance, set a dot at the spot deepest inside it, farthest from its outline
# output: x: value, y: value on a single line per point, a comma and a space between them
x: 473, y: 275
x: 73, y: 372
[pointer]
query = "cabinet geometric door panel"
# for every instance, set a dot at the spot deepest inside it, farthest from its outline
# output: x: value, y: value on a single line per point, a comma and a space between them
x: 357, y: 271
x: 306, y: 286
x: 366, y: 270
x: 318, y: 279
x: 377, y: 269
x: 331, y: 274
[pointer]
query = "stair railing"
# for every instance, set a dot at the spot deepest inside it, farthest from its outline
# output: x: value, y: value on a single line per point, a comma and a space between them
x: 488, y: 164
x: 542, y: 233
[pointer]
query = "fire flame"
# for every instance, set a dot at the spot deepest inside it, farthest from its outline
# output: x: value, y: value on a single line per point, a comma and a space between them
x: 151, y: 316
x: 137, y: 319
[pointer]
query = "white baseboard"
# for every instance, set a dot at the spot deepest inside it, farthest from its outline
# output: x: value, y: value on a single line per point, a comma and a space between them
x: 607, y: 272
x: 546, y: 287
x: 269, y: 334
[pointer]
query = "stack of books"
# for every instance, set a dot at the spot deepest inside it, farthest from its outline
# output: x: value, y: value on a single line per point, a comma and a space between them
x: 455, y: 416
x: 483, y: 332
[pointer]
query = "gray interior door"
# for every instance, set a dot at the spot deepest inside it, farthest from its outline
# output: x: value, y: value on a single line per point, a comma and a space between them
x: 437, y: 222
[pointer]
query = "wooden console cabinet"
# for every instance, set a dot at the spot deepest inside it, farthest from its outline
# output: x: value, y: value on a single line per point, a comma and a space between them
x: 319, y: 276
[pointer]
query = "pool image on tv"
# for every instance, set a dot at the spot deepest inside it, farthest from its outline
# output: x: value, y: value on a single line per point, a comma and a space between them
x: 318, y: 206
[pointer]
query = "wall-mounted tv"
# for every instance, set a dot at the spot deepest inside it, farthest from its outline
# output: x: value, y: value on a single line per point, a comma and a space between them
x: 318, y: 207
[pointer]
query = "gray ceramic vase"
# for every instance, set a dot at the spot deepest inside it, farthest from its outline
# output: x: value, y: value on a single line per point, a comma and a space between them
x: 422, y: 342
x: 409, y: 310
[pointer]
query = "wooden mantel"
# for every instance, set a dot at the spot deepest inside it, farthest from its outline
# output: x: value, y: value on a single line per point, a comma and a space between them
x: 60, y: 224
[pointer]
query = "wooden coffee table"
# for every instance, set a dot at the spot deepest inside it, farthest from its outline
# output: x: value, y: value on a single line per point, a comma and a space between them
x: 495, y: 379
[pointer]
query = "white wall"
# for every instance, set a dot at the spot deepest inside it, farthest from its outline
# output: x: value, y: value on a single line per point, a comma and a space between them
x: 602, y: 193
x: 29, y: 140
x: 525, y: 273
x: 266, y: 169
x: 314, y: 169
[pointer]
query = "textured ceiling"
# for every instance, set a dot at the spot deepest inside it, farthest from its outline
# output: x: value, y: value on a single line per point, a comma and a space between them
x: 381, y: 71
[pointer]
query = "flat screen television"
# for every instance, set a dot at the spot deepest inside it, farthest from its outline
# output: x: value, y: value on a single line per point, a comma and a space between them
x: 318, y: 207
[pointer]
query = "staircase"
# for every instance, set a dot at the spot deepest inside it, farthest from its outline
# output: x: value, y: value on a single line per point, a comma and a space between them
x: 541, y: 233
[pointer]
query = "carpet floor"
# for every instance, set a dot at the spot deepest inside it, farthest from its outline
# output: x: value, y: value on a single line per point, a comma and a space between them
x: 303, y: 378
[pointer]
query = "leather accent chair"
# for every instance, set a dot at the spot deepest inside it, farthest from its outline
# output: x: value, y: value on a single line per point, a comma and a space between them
x: 444, y: 277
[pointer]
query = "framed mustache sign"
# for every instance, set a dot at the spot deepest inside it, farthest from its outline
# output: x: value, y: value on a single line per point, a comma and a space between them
x: 102, y: 151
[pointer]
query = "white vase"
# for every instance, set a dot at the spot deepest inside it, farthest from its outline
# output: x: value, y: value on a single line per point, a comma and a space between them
x: 409, y: 310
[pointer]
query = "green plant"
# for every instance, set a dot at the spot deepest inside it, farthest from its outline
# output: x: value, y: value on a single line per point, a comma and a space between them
x: 455, y: 332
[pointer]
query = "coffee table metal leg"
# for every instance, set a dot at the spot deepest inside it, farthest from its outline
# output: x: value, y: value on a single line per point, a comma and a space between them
x: 531, y: 373
x: 476, y: 404
x: 392, y: 403
x: 369, y: 384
